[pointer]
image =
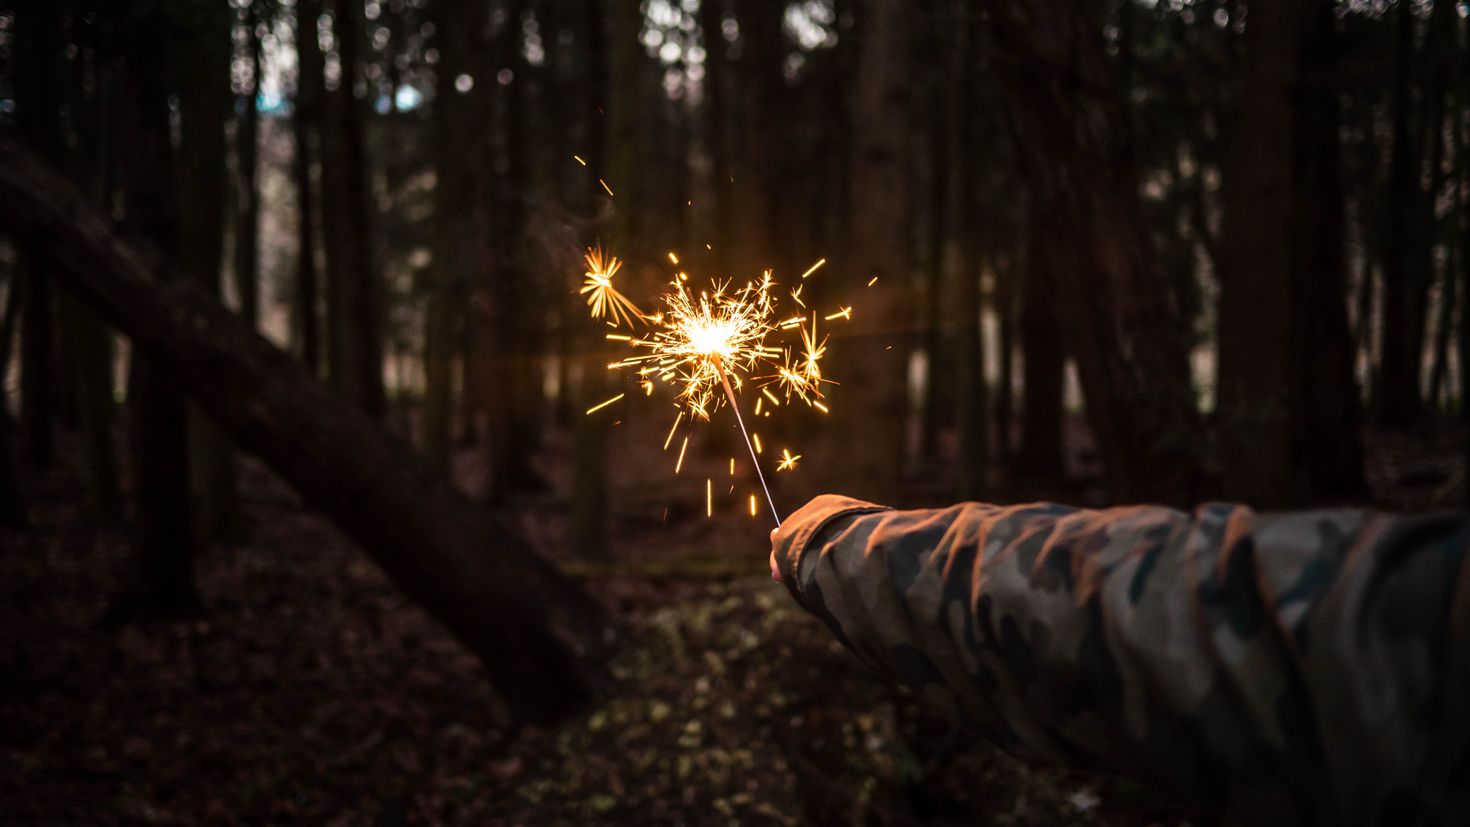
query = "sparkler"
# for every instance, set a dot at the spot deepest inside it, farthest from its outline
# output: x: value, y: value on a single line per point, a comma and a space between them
x: 708, y: 346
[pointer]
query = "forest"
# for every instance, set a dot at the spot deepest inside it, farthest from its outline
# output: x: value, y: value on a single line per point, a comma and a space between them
x: 310, y: 507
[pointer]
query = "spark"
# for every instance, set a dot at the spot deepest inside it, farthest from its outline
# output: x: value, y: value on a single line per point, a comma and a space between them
x: 872, y: 281
x: 709, y: 497
x: 578, y: 159
x: 698, y: 339
x: 602, y: 297
x: 752, y: 504
x: 600, y: 405
x: 606, y: 187
x: 788, y: 460
x: 709, y: 343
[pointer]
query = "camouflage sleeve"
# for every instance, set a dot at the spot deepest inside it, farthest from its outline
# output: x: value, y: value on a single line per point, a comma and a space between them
x: 1283, y: 668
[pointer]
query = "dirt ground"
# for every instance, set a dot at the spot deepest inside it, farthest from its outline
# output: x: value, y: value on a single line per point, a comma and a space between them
x: 309, y: 691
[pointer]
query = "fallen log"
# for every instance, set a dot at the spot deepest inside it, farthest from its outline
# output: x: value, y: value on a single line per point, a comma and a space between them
x: 542, y: 639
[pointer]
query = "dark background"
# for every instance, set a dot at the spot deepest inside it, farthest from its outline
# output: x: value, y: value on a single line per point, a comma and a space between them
x: 1126, y: 250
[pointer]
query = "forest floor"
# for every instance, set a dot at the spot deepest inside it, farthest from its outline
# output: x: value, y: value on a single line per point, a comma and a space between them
x: 310, y: 691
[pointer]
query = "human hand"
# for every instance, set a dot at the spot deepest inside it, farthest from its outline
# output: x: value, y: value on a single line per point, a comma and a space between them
x: 775, y: 570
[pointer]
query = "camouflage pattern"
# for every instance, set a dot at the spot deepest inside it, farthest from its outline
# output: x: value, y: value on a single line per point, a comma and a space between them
x: 1302, y: 668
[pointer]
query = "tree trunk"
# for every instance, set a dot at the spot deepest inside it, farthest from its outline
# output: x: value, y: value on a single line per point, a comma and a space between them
x: 542, y: 639
x: 613, y: 56
x: 1044, y: 363
x: 38, y: 65
x: 509, y: 315
x: 1255, y: 374
x: 717, y: 126
x: 1327, y: 410
x: 880, y: 230
x: 355, y: 352
x: 247, y: 216
x: 162, y: 581
x: 1397, y: 391
x: 204, y: 108
x: 1120, y: 311
x: 973, y: 402
x: 304, y: 122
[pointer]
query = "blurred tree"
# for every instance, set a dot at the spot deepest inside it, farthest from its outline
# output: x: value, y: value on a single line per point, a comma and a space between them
x: 1256, y: 391
x: 1043, y: 357
x: 1326, y: 422
x: 162, y: 582
x: 354, y: 288
x: 880, y: 246
x: 40, y: 41
x: 305, y: 117
x: 456, y: 26
x: 1120, y: 311
x: 976, y: 234
x: 257, y: 17
x: 204, y: 100
x: 508, y: 312
x: 613, y: 58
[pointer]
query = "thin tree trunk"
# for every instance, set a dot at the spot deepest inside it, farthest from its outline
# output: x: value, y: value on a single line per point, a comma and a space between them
x: 612, y: 64
x: 38, y: 65
x: 204, y: 108
x: 303, y: 126
x: 542, y: 639
x: 973, y: 416
x: 1397, y: 391
x: 1327, y: 411
x: 247, y: 217
x: 354, y: 289
x: 452, y: 212
x: 716, y: 109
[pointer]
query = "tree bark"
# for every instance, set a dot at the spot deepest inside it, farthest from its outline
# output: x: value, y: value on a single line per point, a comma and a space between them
x: 1397, y: 389
x: 161, y: 583
x: 1120, y: 311
x: 304, y: 120
x: 247, y: 215
x: 203, y: 64
x: 1327, y: 411
x: 355, y: 352
x: 542, y: 639
x: 872, y: 413
x: 1043, y: 356
x: 973, y: 398
x: 1256, y: 391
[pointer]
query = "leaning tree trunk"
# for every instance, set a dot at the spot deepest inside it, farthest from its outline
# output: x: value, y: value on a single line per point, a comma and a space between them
x: 1119, y: 308
x: 542, y: 639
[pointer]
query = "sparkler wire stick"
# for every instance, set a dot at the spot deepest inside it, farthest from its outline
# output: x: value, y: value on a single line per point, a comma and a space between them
x: 735, y: 406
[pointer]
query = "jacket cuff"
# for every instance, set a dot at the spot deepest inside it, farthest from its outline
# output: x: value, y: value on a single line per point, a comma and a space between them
x: 799, y: 531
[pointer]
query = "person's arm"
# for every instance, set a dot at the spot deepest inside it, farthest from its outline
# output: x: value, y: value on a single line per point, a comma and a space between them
x: 1308, y: 668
